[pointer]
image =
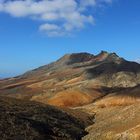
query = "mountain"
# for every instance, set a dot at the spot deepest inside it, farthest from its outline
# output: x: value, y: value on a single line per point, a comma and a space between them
x: 74, y: 80
x: 96, y: 97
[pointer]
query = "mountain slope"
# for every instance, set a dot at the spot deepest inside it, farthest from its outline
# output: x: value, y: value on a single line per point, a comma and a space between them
x: 21, y: 119
x: 82, y: 76
x: 114, y: 122
x: 102, y: 91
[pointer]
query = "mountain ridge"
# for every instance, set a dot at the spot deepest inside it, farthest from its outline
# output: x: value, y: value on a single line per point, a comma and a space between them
x: 73, y: 58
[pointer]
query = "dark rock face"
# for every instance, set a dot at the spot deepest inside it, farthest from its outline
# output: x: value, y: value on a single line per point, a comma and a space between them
x: 113, y: 67
x: 20, y: 120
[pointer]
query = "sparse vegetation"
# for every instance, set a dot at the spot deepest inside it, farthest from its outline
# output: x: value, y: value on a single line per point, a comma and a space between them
x: 30, y: 120
x: 105, y: 87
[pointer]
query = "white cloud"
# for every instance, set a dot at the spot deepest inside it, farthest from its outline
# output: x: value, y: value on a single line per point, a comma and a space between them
x: 87, y: 3
x: 49, y: 27
x: 59, y: 17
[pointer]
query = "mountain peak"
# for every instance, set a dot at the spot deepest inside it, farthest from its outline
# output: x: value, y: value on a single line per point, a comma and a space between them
x: 104, y: 52
x: 113, y: 54
x: 75, y: 58
x: 82, y: 57
x: 114, y: 57
x: 104, y: 55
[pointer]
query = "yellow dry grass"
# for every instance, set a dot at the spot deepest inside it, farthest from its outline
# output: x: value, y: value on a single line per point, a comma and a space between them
x: 70, y: 98
x: 64, y: 99
x: 117, y: 101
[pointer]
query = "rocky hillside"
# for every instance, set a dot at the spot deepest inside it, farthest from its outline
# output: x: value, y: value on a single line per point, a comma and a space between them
x: 119, y: 122
x: 74, y: 80
x: 100, y: 93
x: 23, y: 120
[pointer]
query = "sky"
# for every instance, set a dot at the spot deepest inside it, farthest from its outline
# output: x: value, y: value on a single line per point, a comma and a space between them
x: 36, y: 32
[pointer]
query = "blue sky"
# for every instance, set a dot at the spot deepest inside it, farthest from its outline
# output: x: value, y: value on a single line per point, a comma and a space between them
x: 29, y: 40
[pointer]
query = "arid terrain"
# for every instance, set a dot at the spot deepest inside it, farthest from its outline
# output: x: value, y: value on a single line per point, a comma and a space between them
x: 22, y: 119
x: 95, y: 97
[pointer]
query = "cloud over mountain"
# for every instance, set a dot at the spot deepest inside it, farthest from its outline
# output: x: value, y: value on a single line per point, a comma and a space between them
x: 59, y: 17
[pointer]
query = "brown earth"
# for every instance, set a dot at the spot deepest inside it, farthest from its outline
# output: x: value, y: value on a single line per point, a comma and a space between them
x: 115, y: 123
x: 103, y: 85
